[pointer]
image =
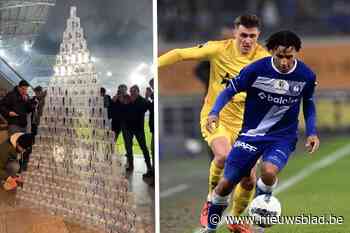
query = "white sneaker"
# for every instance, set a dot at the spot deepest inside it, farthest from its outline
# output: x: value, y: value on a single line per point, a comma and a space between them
x: 257, y: 229
x: 206, y: 230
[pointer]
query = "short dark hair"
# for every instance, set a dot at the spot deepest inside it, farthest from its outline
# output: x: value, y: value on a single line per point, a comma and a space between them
x: 23, y: 83
x: 136, y: 87
x: 25, y: 141
x: 103, y: 90
x: 283, y: 38
x: 122, y: 86
x: 38, y: 89
x: 248, y: 21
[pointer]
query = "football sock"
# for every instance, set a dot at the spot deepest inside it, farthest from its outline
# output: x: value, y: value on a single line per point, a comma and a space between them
x: 262, y: 188
x: 219, y: 204
x: 215, y: 174
x: 240, y: 199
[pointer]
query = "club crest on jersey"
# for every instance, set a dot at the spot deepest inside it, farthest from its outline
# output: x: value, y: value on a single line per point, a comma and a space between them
x: 296, y: 89
x: 281, y: 86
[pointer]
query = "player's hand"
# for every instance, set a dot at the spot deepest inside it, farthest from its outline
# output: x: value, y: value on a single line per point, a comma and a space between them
x: 312, y: 143
x: 13, y: 114
x: 212, y: 123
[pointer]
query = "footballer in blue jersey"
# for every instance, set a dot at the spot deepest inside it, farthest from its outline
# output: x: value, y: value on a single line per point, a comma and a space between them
x: 275, y: 88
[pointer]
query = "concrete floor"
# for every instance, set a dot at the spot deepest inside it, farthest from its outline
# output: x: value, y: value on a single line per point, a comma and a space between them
x: 18, y: 220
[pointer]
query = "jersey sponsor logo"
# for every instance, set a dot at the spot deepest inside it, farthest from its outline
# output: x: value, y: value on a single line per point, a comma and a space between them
x: 277, y: 100
x: 279, y: 86
x: 245, y: 146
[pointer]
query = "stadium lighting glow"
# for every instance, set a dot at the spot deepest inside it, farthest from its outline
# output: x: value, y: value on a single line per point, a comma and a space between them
x: 27, y: 46
x: 109, y: 74
x: 139, y: 75
x: 137, y: 78
x: 94, y: 59
x: 14, y: 64
x: 2, y: 53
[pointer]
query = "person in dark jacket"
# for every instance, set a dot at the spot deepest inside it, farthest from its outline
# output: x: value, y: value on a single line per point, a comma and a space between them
x: 117, y: 111
x: 106, y: 98
x: 16, y: 106
x: 39, y: 100
x: 150, y: 100
x: 135, y: 120
x: 10, y: 151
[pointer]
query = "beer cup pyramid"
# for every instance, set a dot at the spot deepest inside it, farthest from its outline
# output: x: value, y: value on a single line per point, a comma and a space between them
x: 73, y: 170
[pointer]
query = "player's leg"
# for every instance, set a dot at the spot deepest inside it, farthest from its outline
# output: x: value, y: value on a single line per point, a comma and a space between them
x: 238, y: 165
x: 220, y: 143
x: 273, y: 161
x: 220, y: 146
x: 244, y: 193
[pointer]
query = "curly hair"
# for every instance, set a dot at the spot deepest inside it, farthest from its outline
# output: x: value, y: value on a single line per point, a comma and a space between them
x: 284, y: 38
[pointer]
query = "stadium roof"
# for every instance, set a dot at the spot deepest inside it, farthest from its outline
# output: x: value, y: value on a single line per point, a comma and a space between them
x: 21, y: 20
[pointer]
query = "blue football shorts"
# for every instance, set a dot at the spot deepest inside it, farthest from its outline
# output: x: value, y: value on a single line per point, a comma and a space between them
x: 245, y: 154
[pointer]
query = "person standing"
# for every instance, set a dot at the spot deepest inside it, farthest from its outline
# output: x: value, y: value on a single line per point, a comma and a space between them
x: 39, y: 100
x: 118, y: 110
x: 150, y: 100
x: 135, y: 124
x: 226, y: 58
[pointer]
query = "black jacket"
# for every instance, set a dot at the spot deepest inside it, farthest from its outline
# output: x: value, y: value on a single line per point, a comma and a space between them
x: 117, y: 111
x: 151, y: 115
x: 13, y: 102
x: 135, y: 114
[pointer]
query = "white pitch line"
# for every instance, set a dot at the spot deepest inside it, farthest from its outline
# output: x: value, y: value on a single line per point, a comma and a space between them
x: 171, y: 191
x: 330, y: 159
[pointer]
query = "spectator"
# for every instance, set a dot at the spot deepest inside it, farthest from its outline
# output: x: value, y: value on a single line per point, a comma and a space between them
x: 39, y: 100
x: 150, y: 99
x: 135, y: 120
x: 117, y: 110
x: 16, y: 106
x: 9, y: 156
x: 106, y: 98
x: 3, y: 122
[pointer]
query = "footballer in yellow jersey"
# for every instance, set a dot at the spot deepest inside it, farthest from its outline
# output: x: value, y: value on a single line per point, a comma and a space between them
x: 227, y: 58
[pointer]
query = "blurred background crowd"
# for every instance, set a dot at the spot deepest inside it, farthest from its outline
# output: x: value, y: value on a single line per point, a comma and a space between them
x: 191, y: 20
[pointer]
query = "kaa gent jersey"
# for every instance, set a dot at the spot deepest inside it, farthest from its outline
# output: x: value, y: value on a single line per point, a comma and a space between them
x: 273, y: 99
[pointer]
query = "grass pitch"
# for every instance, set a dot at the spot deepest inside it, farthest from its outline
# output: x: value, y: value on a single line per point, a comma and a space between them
x: 324, y: 192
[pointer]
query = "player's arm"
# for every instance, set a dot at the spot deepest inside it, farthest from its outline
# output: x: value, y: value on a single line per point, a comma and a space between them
x: 236, y: 85
x: 201, y: 52
x: 309, y: 110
